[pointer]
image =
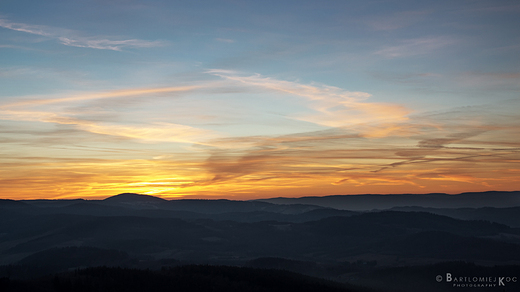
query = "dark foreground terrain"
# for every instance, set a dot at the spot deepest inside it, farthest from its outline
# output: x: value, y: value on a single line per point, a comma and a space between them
x: 450, y: 276
x: 53, y: 243
x: 193, y: 278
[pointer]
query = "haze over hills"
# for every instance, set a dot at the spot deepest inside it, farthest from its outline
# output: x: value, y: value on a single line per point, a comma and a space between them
x: 346, y: 202
x: 141, y: 231
x: 381, y: 202
x: 509, y: 216
x: 466, y: 206
x: 138, y: 201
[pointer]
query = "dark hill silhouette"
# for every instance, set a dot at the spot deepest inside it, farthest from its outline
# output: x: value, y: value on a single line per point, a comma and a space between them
x: 37, y: 225
x: 227, y: 206
x: 140, y: 231
x: 10, y: 210
x: 508, y: 216
x: 5, y: 203
x: 445, y: 245
x: 92, y: 209
x: 52, y: 203
x: 241, y: 211
x: 371, y: 202
x: 257, y: 216
x: 59, y: 259
x: 136, y: 201
x: 205, y: 239
x: 131, y: 198
x: 406, y: 222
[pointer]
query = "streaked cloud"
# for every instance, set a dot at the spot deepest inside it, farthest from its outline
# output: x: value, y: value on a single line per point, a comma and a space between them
x: 76, y: 39
x: 425, y: 98
x: 333, y: 106
x: 225, y: 40
x: 47, y: 110
x: 100, y: 95
x: 414, y: 47
x: 491, y: 80
x: 159, y: 132
x: 32, y: 29
x: 156, y: 132
x: 330, y: 94
x: 454, y: 154
x: 363, y: 146
x: 437, y: 150
x: 106, y: 44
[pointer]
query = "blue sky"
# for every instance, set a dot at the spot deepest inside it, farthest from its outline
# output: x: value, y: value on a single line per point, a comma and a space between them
x: 247, y: 99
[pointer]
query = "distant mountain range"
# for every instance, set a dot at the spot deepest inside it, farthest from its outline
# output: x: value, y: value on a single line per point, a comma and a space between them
x: 296, y: 205
x: 331, y: 237
x: 382, y: 202
x: 145, y: 202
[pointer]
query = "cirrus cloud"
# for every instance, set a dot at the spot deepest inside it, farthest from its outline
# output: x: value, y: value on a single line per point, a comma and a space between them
x: 332, y: 106
x: 73, y: 38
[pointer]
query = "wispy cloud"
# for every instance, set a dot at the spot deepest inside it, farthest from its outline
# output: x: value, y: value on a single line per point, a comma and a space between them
x: 312, y: 92
x: 414, y: 47
x: 101, y: 95
x: 374, y: 148
x: 32, y: 29
x: 332, y: 106
x: 76, y: 39
x: 156, y: 132
x: 455, y: 149
x: 225, y: 40
x: 106, y: 44
x: 491, y: 80
x: 50, y: 110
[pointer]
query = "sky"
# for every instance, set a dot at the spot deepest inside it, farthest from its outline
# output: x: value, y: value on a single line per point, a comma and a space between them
x: 256, y: 99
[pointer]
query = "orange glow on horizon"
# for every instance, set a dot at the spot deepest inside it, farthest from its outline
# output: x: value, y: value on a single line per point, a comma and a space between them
x: 98, y: 182
x: 83, y: 146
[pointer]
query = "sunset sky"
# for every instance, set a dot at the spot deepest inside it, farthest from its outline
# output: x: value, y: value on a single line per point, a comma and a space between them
x: 255, y: 99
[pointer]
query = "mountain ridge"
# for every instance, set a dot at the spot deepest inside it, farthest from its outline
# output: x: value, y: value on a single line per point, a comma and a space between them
x: 367, y: 202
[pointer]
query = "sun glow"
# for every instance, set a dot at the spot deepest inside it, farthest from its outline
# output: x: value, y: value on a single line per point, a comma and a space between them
x: 381, y: 148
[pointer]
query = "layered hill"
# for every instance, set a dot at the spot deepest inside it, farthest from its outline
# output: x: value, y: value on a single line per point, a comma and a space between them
x: 381, y: 202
